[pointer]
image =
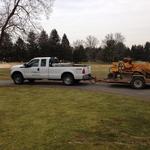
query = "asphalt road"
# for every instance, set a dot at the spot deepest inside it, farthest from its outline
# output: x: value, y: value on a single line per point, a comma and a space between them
x: 143, y: 94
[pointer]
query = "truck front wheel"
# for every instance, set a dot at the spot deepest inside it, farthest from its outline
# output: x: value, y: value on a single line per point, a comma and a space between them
x: 68, y: 79
x: 137, y: 83
x: 18, y: 78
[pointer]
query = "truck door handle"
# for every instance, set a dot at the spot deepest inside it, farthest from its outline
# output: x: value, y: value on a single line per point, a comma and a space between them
x: 38, y: 69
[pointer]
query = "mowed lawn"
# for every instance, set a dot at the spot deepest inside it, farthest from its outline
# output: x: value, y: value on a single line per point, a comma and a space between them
x: 33, y: 118
x: 98, y: 70
x: 5, y: 70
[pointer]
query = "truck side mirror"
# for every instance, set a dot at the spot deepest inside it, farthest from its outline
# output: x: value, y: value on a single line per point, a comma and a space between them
x: 26, y: 65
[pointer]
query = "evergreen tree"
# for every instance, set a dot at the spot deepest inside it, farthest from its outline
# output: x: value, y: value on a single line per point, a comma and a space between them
x: 98, y: 54
x: 137, y: 52
x: 43, y: 44
x: 119, y: 51
x: 127, y: 53
x: 79, y: 54
x: 66, y: 49
x: 92, y: 53
x: 32, y: 45
x: 54, y: 37
x: 65, y: 41
x: 147, y: 51
x: 20, y: 50
x: 54, y: 44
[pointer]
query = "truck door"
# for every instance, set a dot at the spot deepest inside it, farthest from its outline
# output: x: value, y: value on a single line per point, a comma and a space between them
x: 44, y: 68
x: 54, y: 70
x: 33, y: 70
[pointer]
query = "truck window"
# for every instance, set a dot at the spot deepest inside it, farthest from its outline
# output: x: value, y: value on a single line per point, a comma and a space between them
x: 53, y: 61
x: 43, y: 63
x: 56, y: 60
x: 34, y: 63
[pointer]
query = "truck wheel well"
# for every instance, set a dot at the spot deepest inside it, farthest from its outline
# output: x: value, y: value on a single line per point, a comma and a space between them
x: 66, y: 73
x: 16, y: 72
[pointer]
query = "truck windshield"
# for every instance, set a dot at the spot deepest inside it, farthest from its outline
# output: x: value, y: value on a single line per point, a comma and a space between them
x: 34, y: 63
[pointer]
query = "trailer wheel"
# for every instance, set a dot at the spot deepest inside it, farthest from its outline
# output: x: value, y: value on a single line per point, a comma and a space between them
x: 137, y: 83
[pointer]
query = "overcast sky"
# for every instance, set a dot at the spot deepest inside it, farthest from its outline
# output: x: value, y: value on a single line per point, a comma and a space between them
x: 80, y: 18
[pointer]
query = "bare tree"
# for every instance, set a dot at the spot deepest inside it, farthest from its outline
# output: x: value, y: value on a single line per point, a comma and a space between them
x: 91, y: 42
x: 78, y: 43
x: 108, y: 37
x: 119, y: 38
x: 20, y: 16
x: 116, y: 38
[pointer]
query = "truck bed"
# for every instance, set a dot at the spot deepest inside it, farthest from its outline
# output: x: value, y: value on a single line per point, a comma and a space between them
x: 69, y: 65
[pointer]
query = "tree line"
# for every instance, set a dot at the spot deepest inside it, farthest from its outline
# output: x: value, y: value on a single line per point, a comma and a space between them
x: 43, y: 45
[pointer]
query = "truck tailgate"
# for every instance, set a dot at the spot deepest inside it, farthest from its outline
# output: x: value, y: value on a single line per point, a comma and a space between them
x: 87, y: 69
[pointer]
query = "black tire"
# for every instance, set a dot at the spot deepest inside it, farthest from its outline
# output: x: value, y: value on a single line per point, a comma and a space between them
x: 68, y: 79
x: 18, y: 78
x: 138, y: 83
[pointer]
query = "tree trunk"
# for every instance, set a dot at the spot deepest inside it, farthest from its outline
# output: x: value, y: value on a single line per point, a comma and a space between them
x: 7, y: 21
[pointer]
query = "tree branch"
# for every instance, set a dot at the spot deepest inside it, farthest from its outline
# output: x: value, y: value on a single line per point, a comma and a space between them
x: 7, y: 21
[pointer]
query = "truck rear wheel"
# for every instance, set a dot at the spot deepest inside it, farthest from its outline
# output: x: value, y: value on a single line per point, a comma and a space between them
x: 137, y: 83
x: 18, y: 78
x: 68, y: 79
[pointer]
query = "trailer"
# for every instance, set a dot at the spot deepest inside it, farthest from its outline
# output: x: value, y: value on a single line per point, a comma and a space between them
x: 137, y: 75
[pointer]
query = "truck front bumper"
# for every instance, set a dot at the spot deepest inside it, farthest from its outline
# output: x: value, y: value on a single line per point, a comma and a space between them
x: 87, y: 77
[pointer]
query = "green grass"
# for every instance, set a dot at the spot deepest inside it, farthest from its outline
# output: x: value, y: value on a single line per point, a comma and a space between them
x: 33, y: 118
x: 4, y: 74
x: 100, y: 70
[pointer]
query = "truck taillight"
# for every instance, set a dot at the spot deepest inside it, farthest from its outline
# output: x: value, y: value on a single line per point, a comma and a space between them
x: 83, y: 71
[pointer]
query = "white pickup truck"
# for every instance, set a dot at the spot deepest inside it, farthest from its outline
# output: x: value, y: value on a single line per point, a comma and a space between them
x: 51, y: 69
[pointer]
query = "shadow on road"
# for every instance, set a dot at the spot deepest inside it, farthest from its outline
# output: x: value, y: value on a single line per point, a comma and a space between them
x: 54, y: 83
x: 85, y: 84
x: 127, y: 86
